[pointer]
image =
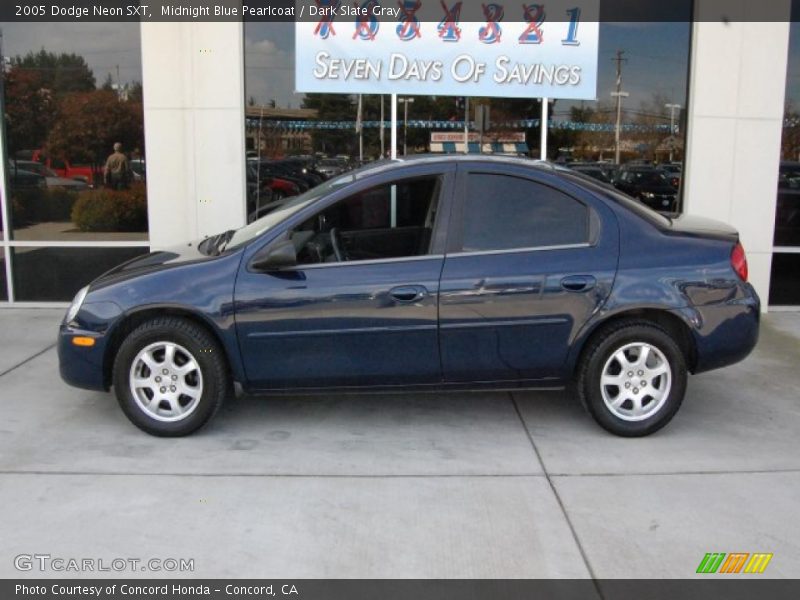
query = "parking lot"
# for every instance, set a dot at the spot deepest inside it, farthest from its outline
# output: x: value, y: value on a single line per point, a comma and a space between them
x: 485, y: 485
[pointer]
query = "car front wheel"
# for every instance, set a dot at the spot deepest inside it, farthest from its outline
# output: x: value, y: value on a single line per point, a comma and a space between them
x: 632, y: 379
x: 170, y: 377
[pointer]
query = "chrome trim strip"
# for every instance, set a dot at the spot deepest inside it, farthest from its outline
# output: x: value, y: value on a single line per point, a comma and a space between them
x: 354, y: 263
x: 519, y: 250
x: 312, y: 332
x: 483, y: 324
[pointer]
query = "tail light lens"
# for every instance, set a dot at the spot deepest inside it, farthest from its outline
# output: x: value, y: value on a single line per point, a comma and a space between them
x: 739, y: 261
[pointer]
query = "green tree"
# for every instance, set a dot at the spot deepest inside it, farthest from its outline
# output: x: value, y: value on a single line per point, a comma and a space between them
x: 89, y: 124
x: 60, y: 73
x: 108, y: 83
x: 30, y: 110
x: 333, y: 107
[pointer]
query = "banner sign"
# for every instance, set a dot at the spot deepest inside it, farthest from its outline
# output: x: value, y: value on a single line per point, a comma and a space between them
x: 448, y: 48
x: 513, y: 137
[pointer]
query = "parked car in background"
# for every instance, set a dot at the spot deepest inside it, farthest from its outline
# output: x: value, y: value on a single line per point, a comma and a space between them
x: 20, y: 179
x: 649, y: 185
x: 64, y: 168
x: 787, y: 210
x: 789, y: 175
x: 674, y: 168
x: 138, y: 169
x: 331, y: 167
x: 591, y: 170
x: 280, y: 187
x: 674, y: 179
x: 52, y: 180
x: 432, y: 272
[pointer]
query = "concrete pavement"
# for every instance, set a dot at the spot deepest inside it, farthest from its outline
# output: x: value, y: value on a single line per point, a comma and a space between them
x: 422, y: 485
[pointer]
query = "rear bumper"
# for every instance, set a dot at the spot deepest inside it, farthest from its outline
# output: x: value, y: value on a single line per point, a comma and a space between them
x: 79, y: 366
x: 726, y: 333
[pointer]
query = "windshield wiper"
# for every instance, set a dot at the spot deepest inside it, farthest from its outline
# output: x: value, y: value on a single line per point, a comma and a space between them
x: 219, y: 245
x: 215, y: 244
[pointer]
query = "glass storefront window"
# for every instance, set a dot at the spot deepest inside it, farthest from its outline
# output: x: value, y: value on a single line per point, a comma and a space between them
x: 785, y: 281
x: 74, y: 131
x: 3, y: 285
x: 298, y: 140
x: 74, y: 154
x: 55, y: 274
x: 784, y: 287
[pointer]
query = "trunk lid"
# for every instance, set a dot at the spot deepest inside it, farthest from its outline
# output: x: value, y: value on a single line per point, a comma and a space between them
x: 703, y: 227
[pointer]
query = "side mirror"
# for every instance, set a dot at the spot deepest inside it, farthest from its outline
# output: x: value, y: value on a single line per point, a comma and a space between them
x: 276, y: 257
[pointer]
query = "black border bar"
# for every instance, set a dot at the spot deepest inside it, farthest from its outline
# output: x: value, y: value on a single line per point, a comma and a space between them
x: 616, y: 11
x: 712, y: 587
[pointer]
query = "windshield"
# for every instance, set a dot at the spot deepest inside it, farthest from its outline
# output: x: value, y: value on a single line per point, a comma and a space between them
x: 293, y: 206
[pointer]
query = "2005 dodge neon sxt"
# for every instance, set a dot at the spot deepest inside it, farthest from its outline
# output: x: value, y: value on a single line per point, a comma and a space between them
x: 427, y: 273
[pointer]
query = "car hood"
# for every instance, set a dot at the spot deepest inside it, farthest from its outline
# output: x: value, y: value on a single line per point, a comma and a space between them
x: 152, y: 262
x: 702, y: 226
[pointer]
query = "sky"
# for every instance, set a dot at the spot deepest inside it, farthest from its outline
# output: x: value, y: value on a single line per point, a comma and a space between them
x: 658, y: 56
x: 104, y: 46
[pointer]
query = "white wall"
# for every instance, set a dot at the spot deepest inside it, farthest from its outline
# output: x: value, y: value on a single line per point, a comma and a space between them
x: 735, y: 123
x: 194, y: 129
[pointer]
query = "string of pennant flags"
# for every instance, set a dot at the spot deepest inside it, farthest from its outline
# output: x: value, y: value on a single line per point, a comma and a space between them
x: 289, y: 125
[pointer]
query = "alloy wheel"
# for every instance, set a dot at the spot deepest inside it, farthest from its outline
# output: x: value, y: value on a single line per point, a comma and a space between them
x: 636, y: 381
x: 166, y: 381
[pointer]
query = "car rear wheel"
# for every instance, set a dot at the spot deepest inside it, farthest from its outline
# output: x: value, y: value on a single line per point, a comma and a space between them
x: 632, y: 378
x: 170, y: 377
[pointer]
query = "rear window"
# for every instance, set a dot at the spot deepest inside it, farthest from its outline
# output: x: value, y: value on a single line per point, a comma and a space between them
x: 503, y: 212
x: 615, y: 195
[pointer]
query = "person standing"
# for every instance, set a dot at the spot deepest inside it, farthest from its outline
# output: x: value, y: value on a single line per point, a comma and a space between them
x: 116, y: 172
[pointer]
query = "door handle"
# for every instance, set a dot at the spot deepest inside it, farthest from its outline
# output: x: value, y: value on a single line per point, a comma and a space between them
x: 578, y: 283
x: 408, y: 294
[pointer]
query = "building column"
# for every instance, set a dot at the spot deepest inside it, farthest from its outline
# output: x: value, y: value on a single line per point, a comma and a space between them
x: 735, y: 123
x: 193, y: 79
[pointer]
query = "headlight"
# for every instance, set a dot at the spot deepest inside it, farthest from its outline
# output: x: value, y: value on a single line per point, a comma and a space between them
x: 77, y: 302
x: 648, y: 195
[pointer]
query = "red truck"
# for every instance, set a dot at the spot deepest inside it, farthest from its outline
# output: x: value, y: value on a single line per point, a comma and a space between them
x: 63, y: 168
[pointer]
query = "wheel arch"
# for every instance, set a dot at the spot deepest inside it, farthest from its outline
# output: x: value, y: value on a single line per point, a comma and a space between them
x: 673, y: 324
x: 130, y: 321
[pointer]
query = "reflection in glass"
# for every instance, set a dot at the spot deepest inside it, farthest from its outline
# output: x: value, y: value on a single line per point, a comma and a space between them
x: 48, y: 274
x: 784, y: 289
x: 74, y: 131
x: 787, y: 214
x: 3, y: 286
x: 290, y: 136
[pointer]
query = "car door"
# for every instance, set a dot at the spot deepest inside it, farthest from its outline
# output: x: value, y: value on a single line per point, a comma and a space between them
x: 367, y: 321
x: 528, y: 262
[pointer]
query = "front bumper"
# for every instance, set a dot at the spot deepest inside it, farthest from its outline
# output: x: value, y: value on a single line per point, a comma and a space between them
x: 80, y: 366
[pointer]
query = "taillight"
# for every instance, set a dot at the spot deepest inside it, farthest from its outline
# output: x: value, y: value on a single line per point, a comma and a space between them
x: 739, y: 261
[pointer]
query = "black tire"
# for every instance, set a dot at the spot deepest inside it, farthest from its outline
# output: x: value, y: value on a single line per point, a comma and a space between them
x: 598, y: 355
x: 214, y: 375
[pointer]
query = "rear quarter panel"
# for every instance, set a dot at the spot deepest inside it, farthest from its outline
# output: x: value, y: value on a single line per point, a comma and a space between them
x: 688, y: 275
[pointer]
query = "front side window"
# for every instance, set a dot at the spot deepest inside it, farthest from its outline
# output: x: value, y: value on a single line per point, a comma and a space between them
x: 393, y: 220
x: 507, y: 213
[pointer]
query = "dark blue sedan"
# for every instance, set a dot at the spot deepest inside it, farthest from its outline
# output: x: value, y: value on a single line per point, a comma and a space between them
x: 430, y: 273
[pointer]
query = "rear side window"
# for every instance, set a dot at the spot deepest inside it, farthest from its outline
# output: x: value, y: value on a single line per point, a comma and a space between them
x: 506, y: 213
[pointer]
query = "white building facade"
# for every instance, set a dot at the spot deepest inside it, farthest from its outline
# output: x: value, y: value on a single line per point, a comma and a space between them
x: 196, y: 80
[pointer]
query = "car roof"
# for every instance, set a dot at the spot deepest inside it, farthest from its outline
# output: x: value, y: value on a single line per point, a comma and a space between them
x: 434, y: 159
